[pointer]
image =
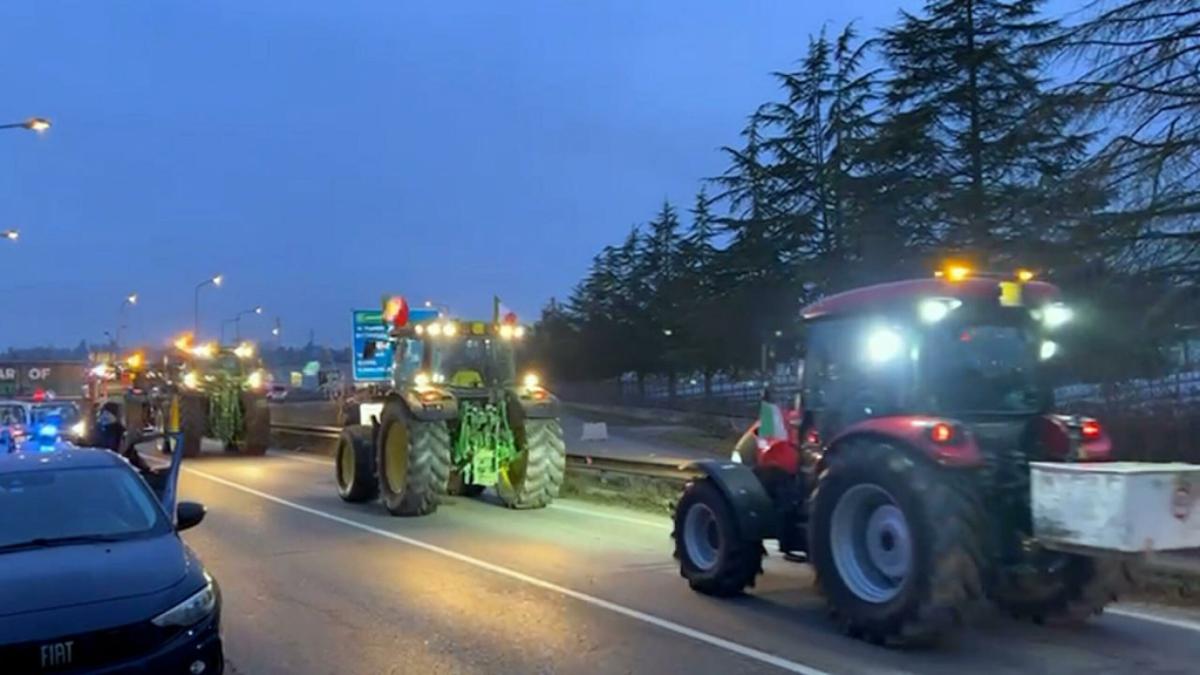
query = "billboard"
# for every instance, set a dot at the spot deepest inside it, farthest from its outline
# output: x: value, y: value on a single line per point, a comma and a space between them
x: 64, y: 379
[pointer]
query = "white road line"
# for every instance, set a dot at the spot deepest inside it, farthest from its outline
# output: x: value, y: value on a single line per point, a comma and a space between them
x: 1174, y: 622
x: 665, y: 624
x: 610, y: 516
x: 295, y: 457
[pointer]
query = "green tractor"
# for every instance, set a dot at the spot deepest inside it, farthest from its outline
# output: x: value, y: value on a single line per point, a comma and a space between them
x: 222, y: 396
x: 454, y: 420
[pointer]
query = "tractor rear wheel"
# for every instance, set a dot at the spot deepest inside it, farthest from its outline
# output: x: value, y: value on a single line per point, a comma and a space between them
x: 413, y: 460
x: 532, y: 479
x: 897, y: 544
x: 256, y: 418
x: 713, y: 556
x: 193, y: 422
x: 1071, y: 590
x: 356, y: 476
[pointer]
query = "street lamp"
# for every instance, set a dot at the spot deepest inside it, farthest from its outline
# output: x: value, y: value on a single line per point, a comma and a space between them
x: 237, y: 322
x: 35, y: 124
x: 11, y: 235
x: 129, y: 300
x: 214, y: 281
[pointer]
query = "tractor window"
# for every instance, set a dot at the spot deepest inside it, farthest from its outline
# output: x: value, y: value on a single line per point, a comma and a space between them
x: 982, y: 368
x: 856, y: 368
x: 410, y: 357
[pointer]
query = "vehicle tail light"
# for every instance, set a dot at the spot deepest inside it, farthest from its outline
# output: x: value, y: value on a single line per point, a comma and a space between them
x: 941, y: 433
x: 1089, y: 430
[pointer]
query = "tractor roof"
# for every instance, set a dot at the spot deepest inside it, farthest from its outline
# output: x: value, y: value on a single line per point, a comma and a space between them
x: 884, y: 296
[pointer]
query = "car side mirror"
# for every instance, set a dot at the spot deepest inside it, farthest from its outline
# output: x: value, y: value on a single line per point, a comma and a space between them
x: 188, y: 515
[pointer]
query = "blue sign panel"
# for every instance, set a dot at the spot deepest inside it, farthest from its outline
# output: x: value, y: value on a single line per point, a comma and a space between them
x: 369, y: 327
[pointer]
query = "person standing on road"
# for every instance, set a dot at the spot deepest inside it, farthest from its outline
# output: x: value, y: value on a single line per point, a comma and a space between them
x: 110, y: 435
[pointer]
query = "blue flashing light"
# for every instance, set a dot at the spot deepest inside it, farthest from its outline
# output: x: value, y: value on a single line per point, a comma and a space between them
x: 48, y: 430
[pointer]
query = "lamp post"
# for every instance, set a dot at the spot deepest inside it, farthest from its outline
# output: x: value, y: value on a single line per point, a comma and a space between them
x: 35, y: 124
x: 11, y: 235
x: 129, y: 301
x: 237, y: 322
x: 214, y: 281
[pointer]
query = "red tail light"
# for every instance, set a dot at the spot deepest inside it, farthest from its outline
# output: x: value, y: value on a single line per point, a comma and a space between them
x: 941, y: 433
x: 1089, y: 430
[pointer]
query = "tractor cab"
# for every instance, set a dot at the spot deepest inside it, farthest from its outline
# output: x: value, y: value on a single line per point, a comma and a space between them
x: 963, y: 358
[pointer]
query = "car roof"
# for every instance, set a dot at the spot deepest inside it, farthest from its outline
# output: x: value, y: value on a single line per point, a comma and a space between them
x: 74, y: 458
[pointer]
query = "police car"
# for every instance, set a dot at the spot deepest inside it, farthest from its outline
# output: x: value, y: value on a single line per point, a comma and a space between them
x: 44, y: 423
x: 94, y: 577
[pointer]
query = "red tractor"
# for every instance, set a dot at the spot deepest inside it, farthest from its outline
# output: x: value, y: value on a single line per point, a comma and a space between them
x: 901, y: 473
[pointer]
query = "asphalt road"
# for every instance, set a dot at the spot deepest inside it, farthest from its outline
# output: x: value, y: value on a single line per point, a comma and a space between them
x: 313, y: 585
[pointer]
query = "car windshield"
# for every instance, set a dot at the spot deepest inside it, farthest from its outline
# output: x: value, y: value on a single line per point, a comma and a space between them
x: 72, y: 503
x: 982, y: 367
x: 60, y: 414
x: 11, y: 414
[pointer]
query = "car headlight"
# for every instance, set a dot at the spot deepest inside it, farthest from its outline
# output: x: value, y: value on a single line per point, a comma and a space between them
x: 78, y: 429
x: 192, y: 610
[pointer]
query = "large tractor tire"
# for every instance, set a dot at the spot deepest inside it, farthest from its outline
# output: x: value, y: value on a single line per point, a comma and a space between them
x: 713, y: 555
x: 1070, y: 589
x: 413, y: 459
x: 193, y: 422
x: 256, y: 418
x: 897, y: 544
x: 357, y: 480
x: 533, y: 478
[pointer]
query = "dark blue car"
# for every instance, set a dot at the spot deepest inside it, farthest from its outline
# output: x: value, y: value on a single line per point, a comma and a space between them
x: 94, y: 577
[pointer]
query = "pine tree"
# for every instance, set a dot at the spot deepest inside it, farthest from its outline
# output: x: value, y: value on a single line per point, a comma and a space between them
x: 973, y: 118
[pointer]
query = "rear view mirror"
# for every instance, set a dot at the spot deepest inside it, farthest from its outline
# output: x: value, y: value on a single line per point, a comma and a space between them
x: 188, y: 514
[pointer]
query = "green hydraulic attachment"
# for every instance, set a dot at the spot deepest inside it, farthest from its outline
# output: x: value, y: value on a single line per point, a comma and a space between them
x: 485, y: 442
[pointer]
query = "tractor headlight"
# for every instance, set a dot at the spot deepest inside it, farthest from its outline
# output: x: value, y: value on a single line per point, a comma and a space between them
x: 78, y: 429
x: 531, y: 380
x: 1055, y: 315
x: 1048, y: 350
x: 449, y: 330
x: 519, y: 332
x: 934, y: 310
x: 191, y: 380
x: 190, y: 611
x: 434, y: 329
x: 506, y: 332
x: 244, y: 350
x: 883, y: 344
x: 421, y: 379
x: 255, y: 380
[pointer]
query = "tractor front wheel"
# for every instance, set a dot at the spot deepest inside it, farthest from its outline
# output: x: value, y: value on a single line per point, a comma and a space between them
x: 193, y: 422
x: 896, y: 543
x: 256, y: 421
x: 532, y: 479
x: 713, y: 556
x: 413, y: 459
x: 356, y: 476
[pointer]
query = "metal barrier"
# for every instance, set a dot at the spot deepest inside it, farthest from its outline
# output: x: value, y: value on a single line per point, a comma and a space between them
x: 599, y: 464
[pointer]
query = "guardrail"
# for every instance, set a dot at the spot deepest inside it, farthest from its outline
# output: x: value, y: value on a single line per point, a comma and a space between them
x: 599, y: 464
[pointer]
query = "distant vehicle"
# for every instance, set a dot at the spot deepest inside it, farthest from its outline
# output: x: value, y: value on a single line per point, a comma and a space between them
x: 93, y: 574
x: 277, y: 392
x: 28, y: 421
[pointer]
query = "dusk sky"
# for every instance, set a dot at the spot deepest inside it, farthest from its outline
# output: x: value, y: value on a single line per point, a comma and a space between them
x: 322, y: 153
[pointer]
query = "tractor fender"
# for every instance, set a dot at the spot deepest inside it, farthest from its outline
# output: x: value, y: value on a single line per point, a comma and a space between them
x: 911, y: 433
x: 430, y: 404
x: 531, y: 407
x: 752, y: 506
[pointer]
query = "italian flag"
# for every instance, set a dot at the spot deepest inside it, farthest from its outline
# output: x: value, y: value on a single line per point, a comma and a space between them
x: 771, y: 427
x: 501, y: 312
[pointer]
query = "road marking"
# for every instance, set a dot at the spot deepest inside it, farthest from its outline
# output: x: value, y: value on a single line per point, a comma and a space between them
x: 296, y: 458
x: 610, y: 516
x: 666, y: 624
x: 1174, y: 622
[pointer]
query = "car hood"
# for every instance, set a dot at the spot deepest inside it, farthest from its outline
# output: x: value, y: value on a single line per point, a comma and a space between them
x: 112, y: 583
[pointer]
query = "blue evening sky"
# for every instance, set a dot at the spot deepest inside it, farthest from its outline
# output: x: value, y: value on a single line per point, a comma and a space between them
x: 323, y: 152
